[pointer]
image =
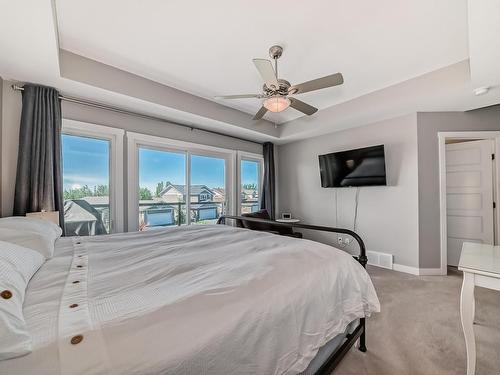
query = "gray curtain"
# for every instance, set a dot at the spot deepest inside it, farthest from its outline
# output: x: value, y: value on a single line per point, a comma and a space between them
x: 269, y: 184
x: 39, y: 173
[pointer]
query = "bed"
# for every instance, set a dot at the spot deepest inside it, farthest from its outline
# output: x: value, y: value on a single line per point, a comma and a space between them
x: 211, y: 299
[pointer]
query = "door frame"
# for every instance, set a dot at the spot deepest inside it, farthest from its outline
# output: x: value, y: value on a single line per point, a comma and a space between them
x: 466, y: 135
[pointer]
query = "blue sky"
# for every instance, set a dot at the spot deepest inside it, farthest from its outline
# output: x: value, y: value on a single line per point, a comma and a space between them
x: 250, y: 172
x: 86, y: 162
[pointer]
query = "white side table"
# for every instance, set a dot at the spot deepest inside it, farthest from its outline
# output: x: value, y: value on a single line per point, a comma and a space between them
x: 287, y: 220
x: 480, y: 264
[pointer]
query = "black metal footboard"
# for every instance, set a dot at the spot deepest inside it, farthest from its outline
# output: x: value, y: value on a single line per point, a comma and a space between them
x: 360, y: 331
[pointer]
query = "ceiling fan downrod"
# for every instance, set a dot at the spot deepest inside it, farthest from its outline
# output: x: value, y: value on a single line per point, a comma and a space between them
x: 275, y: 53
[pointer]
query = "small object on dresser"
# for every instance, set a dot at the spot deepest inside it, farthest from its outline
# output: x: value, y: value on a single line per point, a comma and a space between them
x: 287, y: 218
x: 45, y: 215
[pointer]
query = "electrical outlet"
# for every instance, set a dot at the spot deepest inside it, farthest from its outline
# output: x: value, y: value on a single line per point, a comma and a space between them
x: 347, y: 240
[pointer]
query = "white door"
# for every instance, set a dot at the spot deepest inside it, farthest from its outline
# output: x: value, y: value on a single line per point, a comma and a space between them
x: 469, y: 195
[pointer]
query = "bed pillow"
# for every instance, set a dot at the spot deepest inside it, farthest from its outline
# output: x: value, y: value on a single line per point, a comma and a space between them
x: 17, y: 265
x: 42, y: 243
x: 33, y: 233
x: 31, y: 224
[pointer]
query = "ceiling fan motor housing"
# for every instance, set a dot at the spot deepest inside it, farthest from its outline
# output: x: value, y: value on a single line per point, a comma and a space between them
x: 284, y: 85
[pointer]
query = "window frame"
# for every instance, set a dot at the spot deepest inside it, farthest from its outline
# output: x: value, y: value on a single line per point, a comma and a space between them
x: 137, y: 140
x: 116, y: 160
x: 249, y: 156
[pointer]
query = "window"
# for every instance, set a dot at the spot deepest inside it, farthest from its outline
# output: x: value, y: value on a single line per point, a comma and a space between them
x: 250, y: 182
x: 162, y: 193
x: 169, y: 182
x: 176, y: 183
x: 92, y: 166
x: 86, y: 185
x: 207, y: 189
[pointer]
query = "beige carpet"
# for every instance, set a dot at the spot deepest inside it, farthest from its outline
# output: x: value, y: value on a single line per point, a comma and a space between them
x: 418, y: 330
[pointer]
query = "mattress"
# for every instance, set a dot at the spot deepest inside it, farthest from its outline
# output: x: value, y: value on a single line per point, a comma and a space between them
x: 189, y: 300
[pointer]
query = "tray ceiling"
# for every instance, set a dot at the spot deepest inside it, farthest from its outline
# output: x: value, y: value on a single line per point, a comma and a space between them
x: 205, y: 48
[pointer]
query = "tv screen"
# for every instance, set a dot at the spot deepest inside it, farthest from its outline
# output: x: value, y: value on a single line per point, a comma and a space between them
x: 359, y: 167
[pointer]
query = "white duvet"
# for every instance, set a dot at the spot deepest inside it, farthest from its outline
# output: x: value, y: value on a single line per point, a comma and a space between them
x: 189, y: 300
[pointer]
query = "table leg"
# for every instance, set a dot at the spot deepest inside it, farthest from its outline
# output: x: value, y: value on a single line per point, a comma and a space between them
x: 467, y: 307
x: 473, y: 308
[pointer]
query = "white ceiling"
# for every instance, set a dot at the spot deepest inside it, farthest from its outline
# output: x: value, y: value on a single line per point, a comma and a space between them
x: 206, y: 47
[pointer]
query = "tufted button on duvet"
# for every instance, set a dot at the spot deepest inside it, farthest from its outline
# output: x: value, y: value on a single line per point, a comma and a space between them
x: 76, y: 339
x: 6, y: 294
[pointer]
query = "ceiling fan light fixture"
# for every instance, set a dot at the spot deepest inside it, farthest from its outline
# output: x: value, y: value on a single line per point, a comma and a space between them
x: 276, y: 103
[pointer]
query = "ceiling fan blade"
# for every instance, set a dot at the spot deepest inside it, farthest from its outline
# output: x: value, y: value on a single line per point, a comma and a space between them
x: 299, y: 105
x: 243, y: 96
x: 260, y: 114
x: 266, y: 70
x: 317, y: 84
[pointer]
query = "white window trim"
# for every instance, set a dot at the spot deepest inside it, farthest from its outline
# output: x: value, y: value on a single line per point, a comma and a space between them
x: 115, y: 138
x: 242, y: 155
x: 136, y: 140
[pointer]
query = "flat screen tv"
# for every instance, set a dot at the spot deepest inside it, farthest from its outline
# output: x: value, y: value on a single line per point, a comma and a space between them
x: 359, y: 167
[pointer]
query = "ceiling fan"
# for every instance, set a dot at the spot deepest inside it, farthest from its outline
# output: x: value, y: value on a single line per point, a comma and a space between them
x: 277, y: 92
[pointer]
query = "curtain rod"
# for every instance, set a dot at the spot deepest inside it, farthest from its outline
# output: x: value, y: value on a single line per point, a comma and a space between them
x: 106, y: 107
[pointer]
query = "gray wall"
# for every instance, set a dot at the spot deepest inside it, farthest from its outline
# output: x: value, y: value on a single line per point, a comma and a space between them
x: 1, y: 115
x: 11, y: 117
x: 90, y: 72
x: 158, y: 128
x: 10, y: 135
x: 429, y: 124
x: 387, y: 215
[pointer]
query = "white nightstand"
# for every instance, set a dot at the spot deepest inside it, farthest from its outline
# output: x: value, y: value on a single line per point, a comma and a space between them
x: 287, y: 220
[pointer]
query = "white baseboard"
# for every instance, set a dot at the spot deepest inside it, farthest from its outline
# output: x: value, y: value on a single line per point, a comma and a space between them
x: 384, y: 260
x: 406, y: 269
x: 430, y: 272
x: 416, y: 271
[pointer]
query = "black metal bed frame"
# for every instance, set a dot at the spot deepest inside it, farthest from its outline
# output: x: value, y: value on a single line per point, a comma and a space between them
x: 360, y: 331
